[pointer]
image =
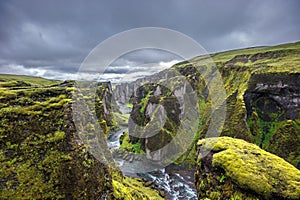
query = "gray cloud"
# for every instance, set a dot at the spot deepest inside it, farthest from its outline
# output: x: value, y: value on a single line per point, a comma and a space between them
x: 55, y: 36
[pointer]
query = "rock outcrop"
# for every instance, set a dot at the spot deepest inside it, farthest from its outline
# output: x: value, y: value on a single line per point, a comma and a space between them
x: 229, y: 168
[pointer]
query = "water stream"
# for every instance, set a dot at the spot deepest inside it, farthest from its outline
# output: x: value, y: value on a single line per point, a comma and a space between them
x: 175, y: 181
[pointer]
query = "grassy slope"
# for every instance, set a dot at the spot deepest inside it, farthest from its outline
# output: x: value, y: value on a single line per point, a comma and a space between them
x: 34, y: 81
x: 228, y: 55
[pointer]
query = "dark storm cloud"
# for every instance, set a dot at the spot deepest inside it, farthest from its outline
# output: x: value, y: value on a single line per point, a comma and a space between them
x: 52, y: 38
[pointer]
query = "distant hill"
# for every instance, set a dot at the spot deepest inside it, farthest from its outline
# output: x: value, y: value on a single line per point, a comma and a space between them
x: 19, y: 80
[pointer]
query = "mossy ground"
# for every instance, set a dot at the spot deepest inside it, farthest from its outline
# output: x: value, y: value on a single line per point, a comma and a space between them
x: 130, y: 188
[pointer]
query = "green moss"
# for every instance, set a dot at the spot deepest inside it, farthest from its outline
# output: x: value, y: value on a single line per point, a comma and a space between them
x: 39, y: 156
x: 130, y: 188
x: 58, y: 135
x: 144, y: 102
x: 129, y: 105
x: 285, y: 141
x: 7, y: 94
x: 128, y: 146
x: 252, y: 168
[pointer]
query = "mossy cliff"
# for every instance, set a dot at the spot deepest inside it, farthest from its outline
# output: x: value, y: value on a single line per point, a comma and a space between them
x: 145, y: 107
x: 41, y: 157
x: 41, y: 154
x: 262, y: 97
x: 229, y: 168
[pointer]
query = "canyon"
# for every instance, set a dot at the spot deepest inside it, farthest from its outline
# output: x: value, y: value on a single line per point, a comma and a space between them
x: 49, y: 129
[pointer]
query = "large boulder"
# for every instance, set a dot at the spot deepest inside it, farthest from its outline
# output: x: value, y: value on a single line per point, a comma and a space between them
x: 229, y: 168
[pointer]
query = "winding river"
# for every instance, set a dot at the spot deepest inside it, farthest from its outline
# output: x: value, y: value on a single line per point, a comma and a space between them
x: 175, y: 181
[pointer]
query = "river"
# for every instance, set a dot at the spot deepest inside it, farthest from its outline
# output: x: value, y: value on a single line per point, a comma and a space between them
x: 175, y: 181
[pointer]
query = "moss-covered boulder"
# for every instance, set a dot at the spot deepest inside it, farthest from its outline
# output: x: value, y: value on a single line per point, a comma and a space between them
x: 231, y: 168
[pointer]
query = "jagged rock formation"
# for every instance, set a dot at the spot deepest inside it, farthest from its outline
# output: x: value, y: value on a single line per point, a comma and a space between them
x: 159, y: 110
x: 262, y: 96
x: 229, y: 168
x: 124, y: 91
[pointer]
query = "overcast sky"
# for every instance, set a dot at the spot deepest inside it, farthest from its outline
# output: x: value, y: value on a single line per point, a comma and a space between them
x: 52, y: 38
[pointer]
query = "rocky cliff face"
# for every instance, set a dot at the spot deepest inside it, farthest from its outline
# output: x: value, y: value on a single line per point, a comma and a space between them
x: 262, y: 97
x: 273, y: 108
x: 124, y: 91
x: 274, y: 96
x: 161, y: 103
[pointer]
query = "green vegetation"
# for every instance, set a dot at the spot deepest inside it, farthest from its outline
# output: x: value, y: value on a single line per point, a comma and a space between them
x: 144, y: 102
x: 128, y: 146
x: 249, y: 171
x: 263, y: 129
x: 122, y: 119
x: 39, y: 158
x: 129, y: 105
x: 286, y: 49
x: 222, y: 179
x: 285, y: 141
x: 130, y: 188
x: 8, y: 80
